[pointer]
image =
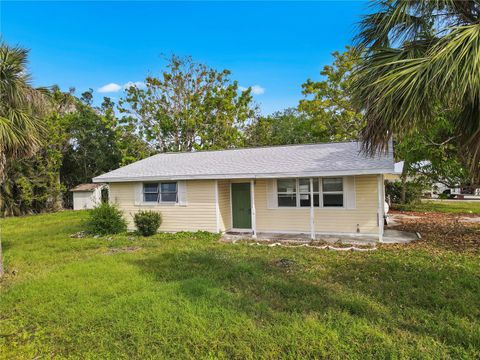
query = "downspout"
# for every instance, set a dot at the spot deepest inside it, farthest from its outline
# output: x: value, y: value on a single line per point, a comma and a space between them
x: 381, y: 209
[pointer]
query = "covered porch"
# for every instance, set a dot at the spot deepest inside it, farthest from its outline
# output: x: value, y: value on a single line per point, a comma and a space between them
x: 244, y: 210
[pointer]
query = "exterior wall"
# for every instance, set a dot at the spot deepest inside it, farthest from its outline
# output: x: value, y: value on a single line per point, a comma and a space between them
x: 86, y: 199
x: 197, y: 214
x: 326, y: 220
x: 224, y: 205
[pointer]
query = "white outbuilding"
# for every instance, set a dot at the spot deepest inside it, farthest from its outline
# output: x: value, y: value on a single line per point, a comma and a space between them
x: 87, y: 196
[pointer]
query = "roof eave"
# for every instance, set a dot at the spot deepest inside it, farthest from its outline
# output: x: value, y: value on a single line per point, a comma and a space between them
x: 243, y: 175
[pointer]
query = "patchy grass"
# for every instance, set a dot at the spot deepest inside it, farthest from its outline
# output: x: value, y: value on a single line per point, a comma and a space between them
x: 444, y: 206
x: 189, y: 296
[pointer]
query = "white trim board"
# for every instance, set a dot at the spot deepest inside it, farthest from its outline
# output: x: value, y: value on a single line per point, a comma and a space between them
x: 100, y: 179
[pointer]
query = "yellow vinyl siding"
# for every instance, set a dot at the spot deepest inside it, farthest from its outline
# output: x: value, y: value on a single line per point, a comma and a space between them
x: 198, y: 214
x: 224, y: 205
x: 326, y: 220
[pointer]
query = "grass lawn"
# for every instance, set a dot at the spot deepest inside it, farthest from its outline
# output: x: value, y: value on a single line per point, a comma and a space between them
x: 444, y: 206
x: 189, y: 296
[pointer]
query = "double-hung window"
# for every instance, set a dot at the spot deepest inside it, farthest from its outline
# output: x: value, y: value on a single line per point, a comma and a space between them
x: 305, y: 194
x: 287, y: 192
x: 297, y: 192
x: 332, y: 191
x: 160, y: 192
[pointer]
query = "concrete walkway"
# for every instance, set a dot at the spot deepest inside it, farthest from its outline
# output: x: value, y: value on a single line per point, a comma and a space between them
x: 390, y: 237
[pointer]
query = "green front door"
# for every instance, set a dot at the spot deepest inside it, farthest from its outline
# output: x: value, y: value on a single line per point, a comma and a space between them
x: 241, y: 207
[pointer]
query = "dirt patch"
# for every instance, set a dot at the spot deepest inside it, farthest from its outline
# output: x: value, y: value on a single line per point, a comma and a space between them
x: 78, y: 235
x: 127, y: 249
x: 441, y: 230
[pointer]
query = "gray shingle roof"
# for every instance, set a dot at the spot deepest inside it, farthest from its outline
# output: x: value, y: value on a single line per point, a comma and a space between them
x: 327, y: 159
x: 86, y: 187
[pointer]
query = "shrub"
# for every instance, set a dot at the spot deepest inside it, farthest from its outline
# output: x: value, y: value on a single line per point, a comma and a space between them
x: 106, y: 219
x: 147, y: 222
x: 413, y: 191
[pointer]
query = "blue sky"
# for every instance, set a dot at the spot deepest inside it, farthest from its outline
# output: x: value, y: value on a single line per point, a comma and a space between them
x: 274, y: 45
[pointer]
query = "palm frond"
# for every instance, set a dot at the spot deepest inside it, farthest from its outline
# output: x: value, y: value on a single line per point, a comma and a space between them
x: 399, y: 89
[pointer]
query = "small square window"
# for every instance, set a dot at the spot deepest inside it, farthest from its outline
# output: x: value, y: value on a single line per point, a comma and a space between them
x: 286, y: 186
x: 332, y: 184
x: 287, y: 200
x: 332, y: 200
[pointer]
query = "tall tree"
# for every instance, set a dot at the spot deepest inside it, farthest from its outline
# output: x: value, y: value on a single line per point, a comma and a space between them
x: 420, y: 56
x: 189, y: 107
x: 328, y: 102
x: 283, y: 128
x: 20, y: 106
x: 32, y: 184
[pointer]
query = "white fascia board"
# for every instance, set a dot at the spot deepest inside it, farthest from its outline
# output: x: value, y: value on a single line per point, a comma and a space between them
x: 243, y: 175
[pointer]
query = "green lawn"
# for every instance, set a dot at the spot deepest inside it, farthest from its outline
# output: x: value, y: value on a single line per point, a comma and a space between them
x: 444, y: 206
x: 189, y: 296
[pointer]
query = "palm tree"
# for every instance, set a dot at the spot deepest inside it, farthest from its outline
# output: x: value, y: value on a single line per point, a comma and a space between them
x: 21, y: 107
x: 420, y: 58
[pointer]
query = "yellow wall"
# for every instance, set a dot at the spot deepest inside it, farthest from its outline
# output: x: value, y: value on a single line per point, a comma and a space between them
x: 200, y: 211
x: 326, y: 220
x: 224, y: 205
x: 198, y: 214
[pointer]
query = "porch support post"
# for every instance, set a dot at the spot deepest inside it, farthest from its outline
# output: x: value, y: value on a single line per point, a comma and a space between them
x: 254, y: 212
x: 312, y: 212
x: 380, y: 206
x: 217, y: 209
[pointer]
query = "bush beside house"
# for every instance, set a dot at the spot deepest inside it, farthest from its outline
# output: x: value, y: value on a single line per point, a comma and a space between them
x: 147, y: 222
x: 106, y: 219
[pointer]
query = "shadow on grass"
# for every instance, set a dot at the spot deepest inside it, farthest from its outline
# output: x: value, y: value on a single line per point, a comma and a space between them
x: 379, y: 291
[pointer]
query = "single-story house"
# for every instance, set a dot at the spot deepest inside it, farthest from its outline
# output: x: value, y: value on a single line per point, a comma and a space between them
x: 329, y: 188
x: 87, y: 196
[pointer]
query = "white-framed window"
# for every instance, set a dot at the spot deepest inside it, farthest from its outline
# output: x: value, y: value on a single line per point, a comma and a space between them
x: 287, y: 192
x: 160, y: 192
x: 304, y: 192
x: 296, y: 192
x: 332, y: 192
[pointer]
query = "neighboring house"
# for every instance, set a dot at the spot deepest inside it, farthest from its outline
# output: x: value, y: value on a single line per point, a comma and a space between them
x: 87, y: 196
x: 315, y: 189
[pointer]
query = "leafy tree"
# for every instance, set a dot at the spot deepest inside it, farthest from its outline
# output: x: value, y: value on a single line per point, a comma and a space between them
x: 419, y: 56
x: 91, y: 148
x: 328, y: 102
x: 189, y: 107
x: 20, y: 108
x: 284, y: 127
x: 32, y: 184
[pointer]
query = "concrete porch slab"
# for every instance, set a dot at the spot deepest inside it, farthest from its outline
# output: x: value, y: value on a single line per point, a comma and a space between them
x: 390, y: 237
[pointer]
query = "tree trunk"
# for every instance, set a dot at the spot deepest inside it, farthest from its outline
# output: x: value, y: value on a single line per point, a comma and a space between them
x: 403, y: 194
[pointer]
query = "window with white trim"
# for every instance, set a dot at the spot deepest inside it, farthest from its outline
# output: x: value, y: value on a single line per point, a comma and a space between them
x: 304, y: 191
x: 160, y: 192
x: 287, y: 192
x: 332, y: 192
x: 296, y: 192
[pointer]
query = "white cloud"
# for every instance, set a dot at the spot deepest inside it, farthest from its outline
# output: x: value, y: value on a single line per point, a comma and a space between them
x: 137, y: 84
x: 256, y: 89
x: 112, y: 87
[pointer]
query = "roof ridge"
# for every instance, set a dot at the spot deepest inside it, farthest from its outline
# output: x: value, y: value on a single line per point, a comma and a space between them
x: 254, y: 147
